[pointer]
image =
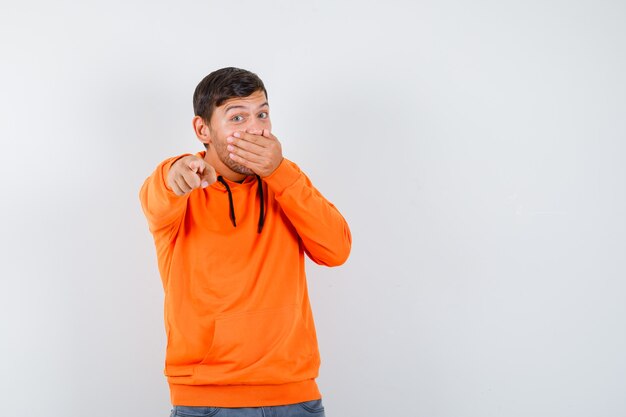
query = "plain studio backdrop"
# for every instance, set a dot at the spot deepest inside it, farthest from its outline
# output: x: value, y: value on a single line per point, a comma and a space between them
x: 476, y: 148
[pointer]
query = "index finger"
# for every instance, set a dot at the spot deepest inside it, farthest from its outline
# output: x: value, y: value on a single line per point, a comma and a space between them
x: 250, y: 137
x: 266, y: 133
x: 196, y: 165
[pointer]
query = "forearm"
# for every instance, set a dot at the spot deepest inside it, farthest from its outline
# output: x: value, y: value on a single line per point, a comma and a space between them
x: 321, y: 227
x: 161, y: 206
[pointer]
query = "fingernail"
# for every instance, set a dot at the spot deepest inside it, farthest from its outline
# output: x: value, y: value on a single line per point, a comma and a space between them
x: 230, y: 147
x: 205, y: 184
x: 230, y: 139
x: 236, y: 134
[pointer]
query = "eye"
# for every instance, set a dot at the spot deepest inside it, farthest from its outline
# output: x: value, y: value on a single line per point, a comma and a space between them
x: 237, y: 118
x: 263, y: 115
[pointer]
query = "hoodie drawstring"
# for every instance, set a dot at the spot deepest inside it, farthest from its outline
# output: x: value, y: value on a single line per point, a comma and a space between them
x: 230, y: 201
x: 262, y: 213
x: 232, y: 206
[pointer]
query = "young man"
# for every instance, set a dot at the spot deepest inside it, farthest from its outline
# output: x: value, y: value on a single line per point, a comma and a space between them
x: 231, y: 226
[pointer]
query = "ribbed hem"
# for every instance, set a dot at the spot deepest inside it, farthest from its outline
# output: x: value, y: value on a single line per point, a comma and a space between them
x: 244, y: 395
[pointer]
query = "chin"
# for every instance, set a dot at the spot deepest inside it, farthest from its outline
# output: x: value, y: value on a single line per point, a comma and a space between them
x: 239, y: 169
x: 242, y: 170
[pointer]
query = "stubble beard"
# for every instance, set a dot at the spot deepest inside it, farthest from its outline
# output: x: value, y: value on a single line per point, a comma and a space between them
x: 223, y: 154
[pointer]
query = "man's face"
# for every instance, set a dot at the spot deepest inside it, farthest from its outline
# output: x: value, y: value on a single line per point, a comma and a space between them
x: 251, y: 114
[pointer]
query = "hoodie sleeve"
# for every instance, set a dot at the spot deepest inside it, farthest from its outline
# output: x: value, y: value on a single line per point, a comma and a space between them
x: 323, y: 230
x: 162, y: 207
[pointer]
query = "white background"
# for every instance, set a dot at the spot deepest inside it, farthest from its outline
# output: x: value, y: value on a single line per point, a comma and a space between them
x: 477, y: 150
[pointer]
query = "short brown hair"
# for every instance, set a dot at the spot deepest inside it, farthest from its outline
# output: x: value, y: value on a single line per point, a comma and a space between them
x: 221, y: 85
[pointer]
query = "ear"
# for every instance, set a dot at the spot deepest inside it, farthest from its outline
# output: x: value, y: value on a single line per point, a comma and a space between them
x: 201, y: 129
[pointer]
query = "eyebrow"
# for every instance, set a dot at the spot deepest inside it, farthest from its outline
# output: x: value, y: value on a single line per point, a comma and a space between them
x: 243, y: 107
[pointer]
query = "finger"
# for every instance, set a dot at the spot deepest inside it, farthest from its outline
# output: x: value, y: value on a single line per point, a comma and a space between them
x: 245, y: 162
x: 196, y: 165
x: 249, y: 137
x: 266, y: 133
x: 208, y: 176
x: 191, y: 178
x: 175, y: 188
x: 270, y: 136
x: 256, y: 148
x: 182, y: 185
x: 255, y: 131
x: 245, y: 149
x: 250, y: 156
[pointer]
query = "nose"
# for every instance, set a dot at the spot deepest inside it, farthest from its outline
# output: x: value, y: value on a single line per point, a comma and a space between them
x: 257, y: 125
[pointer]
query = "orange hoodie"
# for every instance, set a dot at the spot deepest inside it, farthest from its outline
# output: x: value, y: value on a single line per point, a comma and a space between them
x: 239, y: 325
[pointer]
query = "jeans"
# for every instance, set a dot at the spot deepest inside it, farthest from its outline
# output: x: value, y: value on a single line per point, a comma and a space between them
x: 313, y: 408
